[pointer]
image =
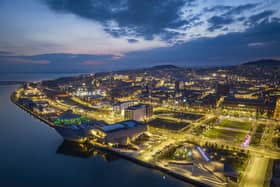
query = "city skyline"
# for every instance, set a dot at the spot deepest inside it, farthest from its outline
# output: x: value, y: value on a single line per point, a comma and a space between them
x: 162, y: 93
x: 208, y: 126
x: 70, y: 36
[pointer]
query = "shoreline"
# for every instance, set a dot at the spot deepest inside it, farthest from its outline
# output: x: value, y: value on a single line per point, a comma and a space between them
x: 151, y: 166
x: 122, y: 155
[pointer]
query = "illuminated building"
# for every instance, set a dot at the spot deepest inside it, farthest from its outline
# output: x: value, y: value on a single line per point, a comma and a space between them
x: 248, y: 107
x: 179, y: 85
x: 119, y: 133
x: 121, y: 77
x: 121, y: 106
x: 139, y: 112
x: 83, y: 91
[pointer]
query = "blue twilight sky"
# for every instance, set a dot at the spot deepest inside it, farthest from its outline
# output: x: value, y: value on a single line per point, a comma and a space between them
x: 98, y: 35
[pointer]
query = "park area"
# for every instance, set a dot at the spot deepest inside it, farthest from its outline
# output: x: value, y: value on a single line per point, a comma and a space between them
x: 225, y: 135
x: 256, y: 139
x: 245, y: 126
x: 229, y: 130
x: 178, y: 115
x: 167, y: 124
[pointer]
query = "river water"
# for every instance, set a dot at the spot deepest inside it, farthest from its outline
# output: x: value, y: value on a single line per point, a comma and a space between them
x: 34, y: 155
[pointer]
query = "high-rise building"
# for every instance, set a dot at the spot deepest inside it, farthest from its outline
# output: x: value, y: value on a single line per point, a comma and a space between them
x: 121, y: 106
x: 179, y: 85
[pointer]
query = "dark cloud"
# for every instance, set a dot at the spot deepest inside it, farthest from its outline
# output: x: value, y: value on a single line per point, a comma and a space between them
x: 261, y: 16
x: 169, y: 36
x: 5, y: 53
x: 261, y: 41
x: 231, y: 10
x: 145, y: 18
x: 218, y: 8
x: 231, y: 48
x: 240, y: 18
x: 240, y: 9
x: 132, y: 40
x: 191, y: 3
x: 229, y: 15
x: 217, y: 22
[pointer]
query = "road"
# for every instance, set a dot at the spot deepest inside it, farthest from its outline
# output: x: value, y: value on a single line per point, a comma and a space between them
x: 255, y: 173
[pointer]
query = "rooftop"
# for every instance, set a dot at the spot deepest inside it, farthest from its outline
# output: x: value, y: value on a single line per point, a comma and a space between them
x: 120, y: 125
x: 136, y: 107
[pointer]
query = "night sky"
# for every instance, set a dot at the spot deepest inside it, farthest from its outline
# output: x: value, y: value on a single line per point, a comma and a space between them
x: 104, y: 35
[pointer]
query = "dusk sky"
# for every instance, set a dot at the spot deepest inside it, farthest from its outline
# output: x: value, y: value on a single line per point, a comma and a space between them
x: 92, y: 35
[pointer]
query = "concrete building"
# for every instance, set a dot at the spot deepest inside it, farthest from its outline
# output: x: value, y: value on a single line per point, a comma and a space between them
x: 179, y: 85
x: 121, y: 106
x: 249, y: 107
x: 119, y: 133
x: 139, y: 112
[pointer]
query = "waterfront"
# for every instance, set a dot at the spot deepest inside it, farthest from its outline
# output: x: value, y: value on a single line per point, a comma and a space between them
x: 30, y: 155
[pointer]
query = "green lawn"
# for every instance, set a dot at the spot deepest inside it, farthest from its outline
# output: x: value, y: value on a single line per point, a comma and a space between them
x: 235, y: 124
x: 225, y: 135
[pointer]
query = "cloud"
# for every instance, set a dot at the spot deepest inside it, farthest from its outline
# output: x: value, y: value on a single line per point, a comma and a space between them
x: 240, y: 9
x: 261, y: 41
x: 183, y: 32
x: 19, y: 60
x: 145, y: 18
x: 61, y: 62
x: 256, y: 44
x: 218, y: 8
x: 228, y: 10
x: 131, y: 40
x: 168, y: 21
x: 91, y: 62
x: 217, y: 22
x: 261, y: 16
x: 2, y: 53
x: 228, y: 15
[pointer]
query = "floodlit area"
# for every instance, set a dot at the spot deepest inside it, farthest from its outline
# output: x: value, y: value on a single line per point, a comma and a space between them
x: 225, y: 135
x: 235, y: 131
x: 182, y: 130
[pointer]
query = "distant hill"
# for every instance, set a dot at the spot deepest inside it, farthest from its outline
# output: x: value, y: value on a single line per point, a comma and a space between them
x: 11, y: 82
x: 160, y: 67
x: 263, y: 62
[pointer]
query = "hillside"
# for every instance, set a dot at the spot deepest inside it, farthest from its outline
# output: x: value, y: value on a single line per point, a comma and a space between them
x: 263, y: 62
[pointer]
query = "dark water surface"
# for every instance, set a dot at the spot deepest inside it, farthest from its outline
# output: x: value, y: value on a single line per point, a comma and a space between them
x: 34, y: 155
